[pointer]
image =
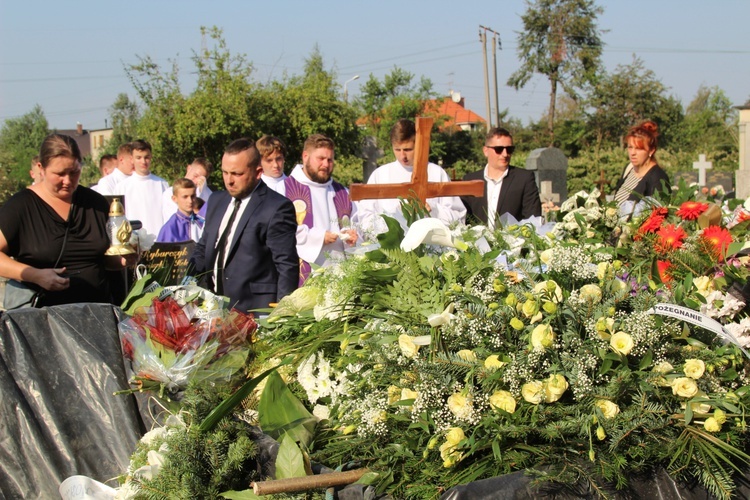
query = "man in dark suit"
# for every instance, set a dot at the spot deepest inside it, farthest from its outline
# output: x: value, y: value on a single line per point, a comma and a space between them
x: 507, y: 189
x: 248, y: 249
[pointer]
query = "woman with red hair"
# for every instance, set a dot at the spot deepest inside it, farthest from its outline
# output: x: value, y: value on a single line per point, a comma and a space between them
x: 643, y: 176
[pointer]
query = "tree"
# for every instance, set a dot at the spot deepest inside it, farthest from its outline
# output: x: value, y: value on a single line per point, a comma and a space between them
x: 124, y: 115
x: 560, y: 40
x: 20, y: 139
x: 383, y: 103
x: 710, y: 124
x: 629, y: 95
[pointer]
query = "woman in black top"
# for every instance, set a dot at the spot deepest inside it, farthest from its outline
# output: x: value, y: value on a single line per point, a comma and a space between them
x: 33, y: 226
x: 643, y: 176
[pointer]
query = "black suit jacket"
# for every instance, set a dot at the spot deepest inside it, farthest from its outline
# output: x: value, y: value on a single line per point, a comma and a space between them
x: 262, y: 263
x: 519, y: 196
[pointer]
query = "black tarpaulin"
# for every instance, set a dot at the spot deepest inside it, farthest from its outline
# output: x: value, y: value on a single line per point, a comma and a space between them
x: 59, y: 368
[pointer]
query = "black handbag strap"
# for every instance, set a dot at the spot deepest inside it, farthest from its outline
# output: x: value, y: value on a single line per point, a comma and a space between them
x: 65, y: 238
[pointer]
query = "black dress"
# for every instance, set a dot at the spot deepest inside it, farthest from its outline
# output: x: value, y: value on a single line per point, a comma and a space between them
x: 35, y: 233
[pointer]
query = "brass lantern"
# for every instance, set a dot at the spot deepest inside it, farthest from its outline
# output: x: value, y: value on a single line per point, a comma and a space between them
x: 118, y: 230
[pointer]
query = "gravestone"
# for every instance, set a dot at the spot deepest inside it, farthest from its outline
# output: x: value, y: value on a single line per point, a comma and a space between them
x: 742, y: 176
x: 713, y: 178
x: 371, y: 153
x: 550, y: 164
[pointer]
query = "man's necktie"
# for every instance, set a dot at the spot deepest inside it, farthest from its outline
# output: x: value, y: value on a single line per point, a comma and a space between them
x: 221, y: 248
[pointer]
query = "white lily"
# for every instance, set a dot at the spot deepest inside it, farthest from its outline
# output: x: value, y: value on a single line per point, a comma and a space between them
x: 443, y: 318
x: 429, y: 231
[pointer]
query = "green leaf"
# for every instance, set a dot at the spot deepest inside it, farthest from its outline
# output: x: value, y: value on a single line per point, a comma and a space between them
x: 229, y: 404
x: 392, y: 238
x: 688, y: 413
x: 240, y: 495
x: 646, y: 361
x: 289, y: 460
x: 368, y: 478
x: 280, y: 411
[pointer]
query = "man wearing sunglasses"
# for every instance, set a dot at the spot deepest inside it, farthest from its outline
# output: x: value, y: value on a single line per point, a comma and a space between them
x: 507, y: 189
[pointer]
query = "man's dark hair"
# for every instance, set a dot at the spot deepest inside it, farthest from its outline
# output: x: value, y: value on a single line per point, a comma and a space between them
x: 238, y: 146
x: 496, y: 132
x: 141, y: 145
x: 403, y: 131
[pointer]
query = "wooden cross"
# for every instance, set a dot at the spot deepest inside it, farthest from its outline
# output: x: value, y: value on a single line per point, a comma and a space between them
x: 601, y: 183
x: 419, y: 186
x: 701, y: 166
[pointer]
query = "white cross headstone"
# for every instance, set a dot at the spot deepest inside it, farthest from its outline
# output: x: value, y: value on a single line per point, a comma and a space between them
x: 701, y: 166
x: 546, y: 193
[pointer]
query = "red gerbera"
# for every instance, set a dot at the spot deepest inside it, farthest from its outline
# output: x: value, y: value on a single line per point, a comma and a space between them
x: 664, y: 267
x: 743, y: 217
x: 669, y: 238
x: 690, y: 210
x: 653, y: 223
x: 717, y: 239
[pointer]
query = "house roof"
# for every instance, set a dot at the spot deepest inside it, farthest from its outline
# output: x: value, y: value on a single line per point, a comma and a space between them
x: 81, y: 136
x: 456, y: 113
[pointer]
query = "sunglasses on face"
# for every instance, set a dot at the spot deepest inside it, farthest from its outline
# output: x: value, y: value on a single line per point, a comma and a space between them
x: 499, y: 149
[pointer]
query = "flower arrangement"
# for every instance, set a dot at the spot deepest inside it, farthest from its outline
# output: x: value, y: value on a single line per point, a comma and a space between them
x: 483, y: 353
x: 183, y: 334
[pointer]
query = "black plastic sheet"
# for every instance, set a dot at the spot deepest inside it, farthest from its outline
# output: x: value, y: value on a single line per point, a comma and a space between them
x: 59, y: 368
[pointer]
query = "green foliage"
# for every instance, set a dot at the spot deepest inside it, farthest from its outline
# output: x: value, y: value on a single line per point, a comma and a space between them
x: 559, y: 40
x: 629, y: 95
x: 383, y: 103
x: 20, y: 139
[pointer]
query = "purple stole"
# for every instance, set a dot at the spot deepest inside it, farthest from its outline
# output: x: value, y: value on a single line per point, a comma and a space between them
x: 302, y: 201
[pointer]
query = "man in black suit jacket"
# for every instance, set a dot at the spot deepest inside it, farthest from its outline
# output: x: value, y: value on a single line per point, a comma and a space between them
x: 260, y: 263
x: 507, y: 189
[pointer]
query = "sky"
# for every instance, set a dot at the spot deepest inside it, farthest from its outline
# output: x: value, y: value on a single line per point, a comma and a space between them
x: 69, y: 57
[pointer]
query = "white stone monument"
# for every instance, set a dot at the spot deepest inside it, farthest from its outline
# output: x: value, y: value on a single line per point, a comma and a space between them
x: 701, y: 166
x: 742, y: 176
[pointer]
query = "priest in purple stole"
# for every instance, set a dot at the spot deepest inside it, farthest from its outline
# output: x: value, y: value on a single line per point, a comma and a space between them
x: 322, y: 206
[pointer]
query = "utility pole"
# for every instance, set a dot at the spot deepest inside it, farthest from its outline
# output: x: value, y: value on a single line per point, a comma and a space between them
x: 483, y: 41
x: 495, y: 44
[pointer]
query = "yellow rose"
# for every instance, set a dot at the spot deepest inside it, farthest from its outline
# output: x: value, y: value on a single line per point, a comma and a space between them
x: 604, y: 270
x: 720, y: 415
x: 684, y: 387
x: 349, y: 429
x: 663, y: 367
x: 600, y: 434
x: 511, y: 300
x: 516, y: 324
x: 703, y: 284
x: 408, y: 394
x: 591, y: 293
x: 459, y: 405
x: 394, y: 394
x: 607, y: 407
x: 530, y: 308
x: 467, y: 355
x: 621, y: 343
x: 533, y: 392
x: 493, y: 362
x: 549, y: 289
x: 408, y: 348
x: 694, y: 368
x: 712, y: 425
x: 554, y: 387
x: 617, y: 286
x: 604, y: 327
x: 503, y: 400
x: 455, y: 435
x: 546, y: 255
x: 542, y: 337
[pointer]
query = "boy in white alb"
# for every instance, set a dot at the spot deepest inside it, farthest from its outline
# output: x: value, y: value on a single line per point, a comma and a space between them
x: 272, y: 154
x: 143, y: 191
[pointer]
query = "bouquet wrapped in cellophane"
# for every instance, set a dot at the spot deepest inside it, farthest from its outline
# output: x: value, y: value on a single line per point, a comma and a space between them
x: 176, y: 335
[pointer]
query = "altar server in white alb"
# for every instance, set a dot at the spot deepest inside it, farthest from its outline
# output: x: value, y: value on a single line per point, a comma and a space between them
x: 111, y: 184
x: 446, y: 208
x: 322, y: 206
x: 143, y: 191
x: 272, y: 154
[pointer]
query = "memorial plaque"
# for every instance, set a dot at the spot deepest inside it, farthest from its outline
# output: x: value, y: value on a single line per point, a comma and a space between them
x: 168, y: 262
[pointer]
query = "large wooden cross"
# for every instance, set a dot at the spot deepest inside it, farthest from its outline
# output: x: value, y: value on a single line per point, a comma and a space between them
x: 419, y: 186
